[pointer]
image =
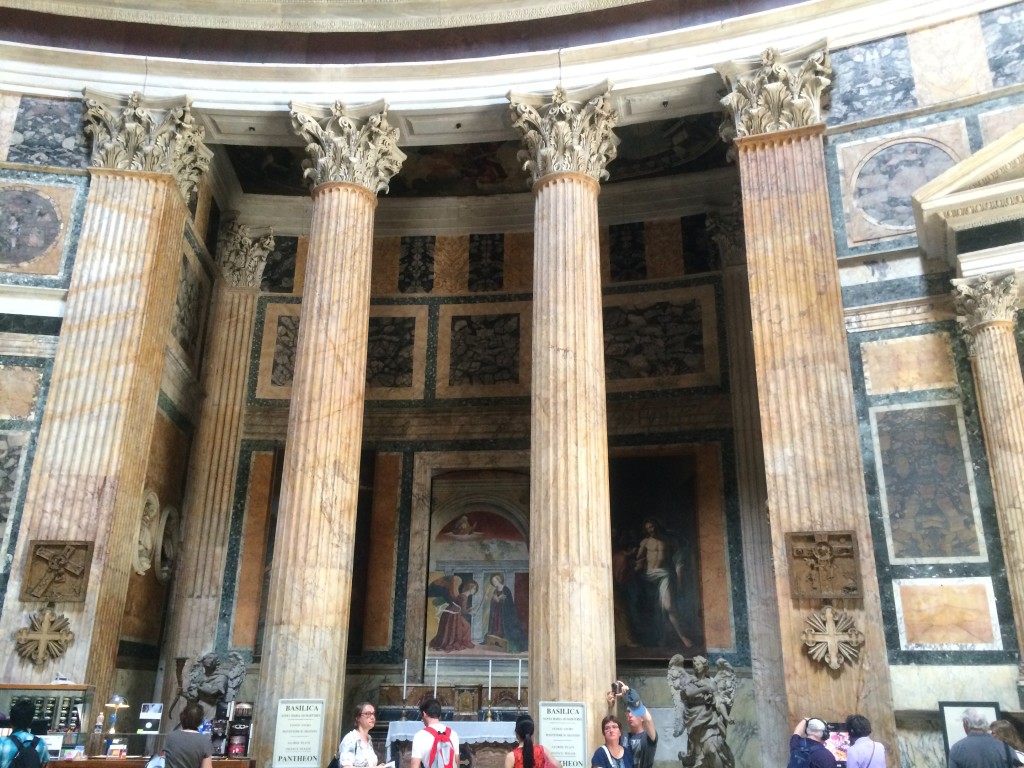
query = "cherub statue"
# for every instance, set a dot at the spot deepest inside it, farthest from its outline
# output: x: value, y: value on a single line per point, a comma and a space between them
x: 213, y: 680
x: 703, y: 706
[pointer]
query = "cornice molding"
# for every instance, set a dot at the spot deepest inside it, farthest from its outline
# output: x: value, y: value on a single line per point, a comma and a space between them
x: 320, y: 15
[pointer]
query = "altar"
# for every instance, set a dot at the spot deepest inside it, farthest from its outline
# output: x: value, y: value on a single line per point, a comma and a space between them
x: 495, y: 736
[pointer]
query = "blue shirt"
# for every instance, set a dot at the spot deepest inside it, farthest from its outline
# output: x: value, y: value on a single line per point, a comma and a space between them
x: 8, y: 749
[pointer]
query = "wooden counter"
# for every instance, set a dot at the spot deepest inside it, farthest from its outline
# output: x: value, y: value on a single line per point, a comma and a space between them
x: 140, y: 762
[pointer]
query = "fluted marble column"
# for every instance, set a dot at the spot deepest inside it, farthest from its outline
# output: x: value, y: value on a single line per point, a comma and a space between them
x: 213, y: 462
x: 352, y: 156
x: 89, y: 469
x: 810, y: 435
x: 986, y: 308
x: 569, y: 141
x: 759, y: 574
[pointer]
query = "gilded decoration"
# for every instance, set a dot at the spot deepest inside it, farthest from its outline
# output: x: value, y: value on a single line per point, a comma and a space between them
x: 832, y: 637
x: 242, y: 254
x: 57, y: 571
x: 784, y: 90
x: 823, y: 565
x: 47, y: 637
x: 158, y: 136
x: 985, y: 299
x: 571, y: 133
x: 349, y: 144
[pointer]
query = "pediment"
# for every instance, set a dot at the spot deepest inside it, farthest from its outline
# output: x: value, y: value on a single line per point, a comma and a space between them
x: 985, y: 189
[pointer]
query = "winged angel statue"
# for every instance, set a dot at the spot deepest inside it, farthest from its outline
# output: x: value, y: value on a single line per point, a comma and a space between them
x: 703, y: 704
x: 213, y: 680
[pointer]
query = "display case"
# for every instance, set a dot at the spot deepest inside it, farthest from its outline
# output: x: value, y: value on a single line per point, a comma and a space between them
x: 61, y: 708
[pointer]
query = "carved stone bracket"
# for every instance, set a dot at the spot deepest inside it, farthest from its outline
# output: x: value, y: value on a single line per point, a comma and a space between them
x: 571, y: 132
x: 352, y: 144
x: 168, y: 541
x: 832, y: 637
x: 156, y: 135
x: 47, y: 637
x: 780, y: 91
x: 150, y: 519
x: 56, y: 571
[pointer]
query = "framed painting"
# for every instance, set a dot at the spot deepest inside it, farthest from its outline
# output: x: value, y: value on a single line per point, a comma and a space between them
x: 953, y: 713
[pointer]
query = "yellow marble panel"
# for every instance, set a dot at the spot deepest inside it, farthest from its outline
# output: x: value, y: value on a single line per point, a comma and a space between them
x: 518, y: 273
x: 444, y: 350
x: 451, y: 264
x: 265, y: 387
x: 52, y: 200
x: 714, y: 558
x: 949, y: 61
x: 663, y: 247
x: 8, y: 114
x: 419, y: 354
x: 254, y: 551
x: 301, y: 252
x: 382, y: 562
x: 947, y: 612
x: 384, y: 279
x: 998, y: 123
x: 910, y: 364
x: 19, y: 391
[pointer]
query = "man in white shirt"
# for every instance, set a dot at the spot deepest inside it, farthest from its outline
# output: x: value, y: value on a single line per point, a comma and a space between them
x: 437, y: 745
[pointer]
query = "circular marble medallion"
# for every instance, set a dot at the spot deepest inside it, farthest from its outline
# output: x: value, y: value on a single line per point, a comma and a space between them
x: 29, y: 224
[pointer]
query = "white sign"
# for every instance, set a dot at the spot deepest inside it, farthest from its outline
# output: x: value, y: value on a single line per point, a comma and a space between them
x: 299, y: 733
x: 563, y: 732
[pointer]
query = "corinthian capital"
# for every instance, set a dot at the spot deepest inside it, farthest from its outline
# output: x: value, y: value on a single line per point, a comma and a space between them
x: 356, y: 145
x: 777, y: 92
x: 985, y: 299
x: 570, y: 133
x: 137, y: 134
x: 243, y: 255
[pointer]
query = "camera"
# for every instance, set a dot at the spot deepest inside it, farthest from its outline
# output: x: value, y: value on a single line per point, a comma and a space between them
x: 616, y: 687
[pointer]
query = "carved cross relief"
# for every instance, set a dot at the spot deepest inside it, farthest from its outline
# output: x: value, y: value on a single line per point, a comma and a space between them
x: 832, y: 637
x: 823, y: 565
x: 47, y: 637
x: 57, y: 571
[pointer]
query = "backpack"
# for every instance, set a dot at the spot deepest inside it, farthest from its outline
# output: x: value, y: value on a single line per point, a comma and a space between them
x: 28, y: 756
x: 801, y: 756
x: 442, y: 754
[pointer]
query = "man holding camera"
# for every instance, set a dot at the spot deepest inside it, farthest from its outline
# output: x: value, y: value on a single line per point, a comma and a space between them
x: 641, y: 736
x: 807, y: 745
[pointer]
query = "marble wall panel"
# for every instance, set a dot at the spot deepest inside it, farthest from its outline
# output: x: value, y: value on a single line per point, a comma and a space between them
x: 626, y: 252
x: 277, y: 331
x: 700, y: 253
x: 191, y: 306
x: 8, y: 114
x: 661, y: 339
x: 871, y: 80
x: 48, y: 132
x: 19, y: 391
x: 483, y: 350
x: 922, y: 686
x: 949, y: 61
x: 518, y: 262
x: 486, y: 262
x: 877, y: 176
x: 909, y: 364
x: 416, y: 264
x: 279, y: 272
x: 397, y: 353
x: 386, y: 254
x: 926, y: 484
x: 253, y: 547
x: 947, y: 614
x: 451, y: 264
x: 999, y: 122
x: 38, y: 224
x: 1003, y: 29
x: 920, y: 742
x: 663, y: 246
x: 13, y: 458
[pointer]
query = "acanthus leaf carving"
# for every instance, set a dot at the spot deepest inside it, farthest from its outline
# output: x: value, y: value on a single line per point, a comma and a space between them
x: 242, y: 255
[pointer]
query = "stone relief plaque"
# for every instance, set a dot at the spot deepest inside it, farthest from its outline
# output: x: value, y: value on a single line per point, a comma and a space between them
x: 823, y: 565
x: 47, y: 637
x: 57, y: 571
